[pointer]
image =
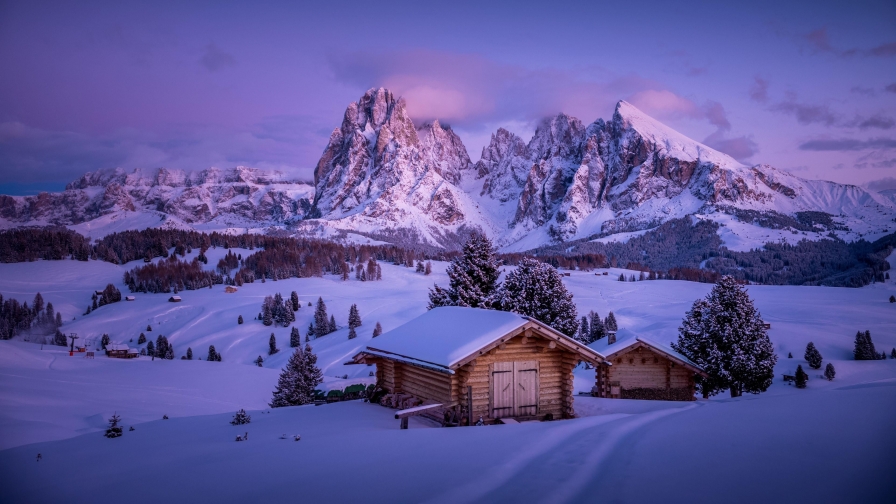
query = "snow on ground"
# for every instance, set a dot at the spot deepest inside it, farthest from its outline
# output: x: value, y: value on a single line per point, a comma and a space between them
x: 832, y: 442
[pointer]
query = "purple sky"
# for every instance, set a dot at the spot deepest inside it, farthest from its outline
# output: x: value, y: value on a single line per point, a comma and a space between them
x: 804, y: 86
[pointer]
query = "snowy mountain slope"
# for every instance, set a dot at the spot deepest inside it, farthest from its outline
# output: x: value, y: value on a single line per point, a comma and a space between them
x: 381, y: 176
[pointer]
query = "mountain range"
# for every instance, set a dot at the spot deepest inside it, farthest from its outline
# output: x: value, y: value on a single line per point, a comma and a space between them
x: 381, y: 177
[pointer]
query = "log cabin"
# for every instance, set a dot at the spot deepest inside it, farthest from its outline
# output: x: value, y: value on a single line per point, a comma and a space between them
x: 643, y: 369
x: 117, y: 350
x: 478, y: 363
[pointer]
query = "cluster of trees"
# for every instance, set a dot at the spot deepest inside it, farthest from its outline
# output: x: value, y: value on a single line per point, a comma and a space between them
x: 230, y: 262
x: 426, y: 269
x: 298, y: 380
x: 592, y: 328
x: 170, y: 274
x: 51, y: 243
x: 213, y: 355
x: 108, y: 295
x: 162, y: 349
x: 371, y: 272
x: 354, y: 321
x: 864, y: 348
x: 40, y: 318
x: 276, y: 309
x: 725, y: 335
x: 534, y: 288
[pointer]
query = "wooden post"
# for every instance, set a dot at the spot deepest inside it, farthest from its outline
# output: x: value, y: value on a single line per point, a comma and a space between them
x: 470, y: 405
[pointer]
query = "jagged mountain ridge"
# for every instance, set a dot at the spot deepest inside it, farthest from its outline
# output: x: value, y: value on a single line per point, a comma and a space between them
x: 382, y: 176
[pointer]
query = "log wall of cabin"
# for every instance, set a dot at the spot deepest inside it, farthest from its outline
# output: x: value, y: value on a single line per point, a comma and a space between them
x: 645, y: 369
x: 555, y: 378
x: 426, y: 385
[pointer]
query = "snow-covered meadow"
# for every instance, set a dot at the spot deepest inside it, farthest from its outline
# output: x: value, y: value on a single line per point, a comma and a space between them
x: 832, y: 442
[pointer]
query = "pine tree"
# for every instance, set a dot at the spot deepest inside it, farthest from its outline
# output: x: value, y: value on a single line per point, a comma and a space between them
x: 801, y: 377
x: 584, y: 335
x: 310, y: 332
x: 267, y: 318
x: 321, y: 319
x: 789, y: 355
x: 622, y: 277
x: 212, y: 354
x: 295, y: 339
x: 294, y: 298
x: 377, y: 330
x: 725, y: 335
x: 241, y: 418
x: 59, y: 339
x: 150, y: 349
x: 598, y: 330
x: 813, y: 356
x: 148, y: 328
x: 354, y: 319
x: 610, y: 324
x: 351, y: 333
x: 142, y: 339
x: 892, y: 299
x: 893, y: 354
x: 829, y: 371
x: 189, y: 353
x: 239, y: 320
x: 428, y: 269
x: 259, y: 361
x: 535, y: 289
x: 420, y: 267
x: 104, y: 341
x: 864, y: 347
x: 272, y: 345
x: 169, y: 352
x: 332, y: 324
x: 472, y: 277
x: 297, y: 380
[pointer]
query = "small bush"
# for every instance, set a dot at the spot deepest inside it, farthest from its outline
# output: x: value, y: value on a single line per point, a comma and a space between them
x: 240, y: 418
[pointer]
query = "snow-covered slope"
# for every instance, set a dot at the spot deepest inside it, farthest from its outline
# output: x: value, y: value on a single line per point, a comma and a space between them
x: 383, y: 177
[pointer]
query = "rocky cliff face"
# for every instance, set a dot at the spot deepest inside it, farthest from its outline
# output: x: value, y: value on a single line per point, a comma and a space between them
x: 194, y: 198
x: 379, y: 173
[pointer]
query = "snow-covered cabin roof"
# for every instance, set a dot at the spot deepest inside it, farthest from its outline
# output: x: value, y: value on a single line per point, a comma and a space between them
x: 132, y: 350
x: 626, y: 339
x: 116, y: 347
x: 444, y: 337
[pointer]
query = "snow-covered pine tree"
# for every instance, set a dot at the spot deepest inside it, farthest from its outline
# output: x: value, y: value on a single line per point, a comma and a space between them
x: 310, y: 332
x: 311, y: 373
x: 598, y: 330
x: 725, y: 335
x: 829, y: 372
x: 241, y: 418
x: 104, y: 341
x: 169, y: 352
x: 212, y: 354
x: 267, y: 318
x: 622, y: 277
x: 351, y: 333
x: 321, y: 319
x: 239, y: 320
x: 142, y: 339
x: 813, y: 356
x: 295, y: 339
x: 296, y: 383
x: 610, y: 324
x: 801, y: 377
x: 272, y: 345
x: 354, y: 318
x: 377, y: 330
x: 332, y: 324
x: 535, y: 289
x: 150, y: 349
x: 584, y: 334
x: 294, y: 298
x: 472, y: 277
x: 864, y: 348
x: 189, y: 353
x: 420, y: 267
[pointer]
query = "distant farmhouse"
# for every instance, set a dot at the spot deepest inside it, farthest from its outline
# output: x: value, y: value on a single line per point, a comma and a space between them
x: 643, y: 369
x: 499, y: 365
x: 121, y: 351
x: 174, y: 299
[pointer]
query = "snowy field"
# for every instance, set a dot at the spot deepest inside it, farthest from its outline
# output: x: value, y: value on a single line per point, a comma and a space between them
x: 832, y: 442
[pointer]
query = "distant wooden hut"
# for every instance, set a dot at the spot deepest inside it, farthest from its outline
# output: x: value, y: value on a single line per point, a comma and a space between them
x: 129, y: 298
x: 117, y: 350
x: 494, y: 364
x: 230, y: 289
x: 643, y: 369
x: 174, y: 299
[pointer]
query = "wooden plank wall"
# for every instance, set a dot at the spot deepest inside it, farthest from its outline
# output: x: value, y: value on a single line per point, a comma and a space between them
x: 555, y: 395
x: 644, y: 368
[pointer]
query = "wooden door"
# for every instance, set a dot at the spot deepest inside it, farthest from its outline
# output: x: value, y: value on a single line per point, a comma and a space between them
x: 502, y: 389
x: 525, y: 380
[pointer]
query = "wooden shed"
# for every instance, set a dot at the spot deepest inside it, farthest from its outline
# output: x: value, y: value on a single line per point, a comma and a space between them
x: 500, y: 365
x: 117, y: 350
x: 174, y: 299
x: 643, y: 369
